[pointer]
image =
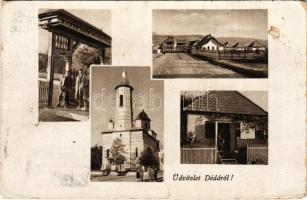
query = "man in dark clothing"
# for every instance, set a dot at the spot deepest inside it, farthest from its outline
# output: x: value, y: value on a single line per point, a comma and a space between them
x: 65, y: 86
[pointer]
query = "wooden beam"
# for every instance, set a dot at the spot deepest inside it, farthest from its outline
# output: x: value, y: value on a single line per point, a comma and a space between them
x: 61, y: 18
x: 50, y: 68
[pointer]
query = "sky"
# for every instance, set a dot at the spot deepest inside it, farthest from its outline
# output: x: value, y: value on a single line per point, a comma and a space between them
x: 99, y: 18
x: 219, y: 23
x: 258, y: 97
x: 147, y: 95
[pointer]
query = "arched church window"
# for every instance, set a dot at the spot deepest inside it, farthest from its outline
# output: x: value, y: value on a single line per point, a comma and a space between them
x: 136, y: 152
x: 121, y: 100
x: 108, y: 153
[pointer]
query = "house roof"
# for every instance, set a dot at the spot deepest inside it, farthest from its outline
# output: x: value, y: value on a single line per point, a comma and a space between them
x: 208, y: 38
x: 194, y: 42
x: 231, y: 102
x: 256, y: 44
x: 242, y: 42
x: 142, y: 116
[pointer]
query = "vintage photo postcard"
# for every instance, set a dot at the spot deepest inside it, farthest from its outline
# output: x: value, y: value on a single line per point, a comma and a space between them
x: 210, y: 43
x: 127, y: 125
x: 224, y: 127
x: 153, y: 100
x: 69, y: 42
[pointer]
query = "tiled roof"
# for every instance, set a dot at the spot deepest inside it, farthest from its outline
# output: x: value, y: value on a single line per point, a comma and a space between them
x: 224, y: 102
x: 256, y: 43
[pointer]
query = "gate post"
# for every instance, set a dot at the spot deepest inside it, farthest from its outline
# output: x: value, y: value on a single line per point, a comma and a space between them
x: 50, y: 68
x: 102, y: 56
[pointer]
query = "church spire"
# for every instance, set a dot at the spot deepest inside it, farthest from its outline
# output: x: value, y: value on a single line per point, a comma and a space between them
x: 124, y: 74
x: 124, y: 80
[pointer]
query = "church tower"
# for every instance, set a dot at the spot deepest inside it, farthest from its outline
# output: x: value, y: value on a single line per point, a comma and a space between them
x: 123, y: 109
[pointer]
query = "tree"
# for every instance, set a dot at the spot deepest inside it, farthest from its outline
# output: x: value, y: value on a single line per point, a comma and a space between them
x: 116, y: 156
x: 148, y: 158
x: 85, y: 56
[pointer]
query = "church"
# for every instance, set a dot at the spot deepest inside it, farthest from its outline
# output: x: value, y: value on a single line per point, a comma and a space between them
x: 135, y: 134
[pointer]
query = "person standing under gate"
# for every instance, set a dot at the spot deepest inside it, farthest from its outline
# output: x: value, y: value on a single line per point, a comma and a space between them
x: 79, y: 88
x: 86, y: 91
x: 65, y: 86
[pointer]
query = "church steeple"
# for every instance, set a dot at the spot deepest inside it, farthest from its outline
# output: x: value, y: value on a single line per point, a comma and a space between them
x: 124, y: 81
x: 123, y: 110
x: 142, y: 120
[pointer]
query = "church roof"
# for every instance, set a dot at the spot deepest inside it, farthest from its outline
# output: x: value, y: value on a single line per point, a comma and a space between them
x: 142, y: 116
x: 124, y: 82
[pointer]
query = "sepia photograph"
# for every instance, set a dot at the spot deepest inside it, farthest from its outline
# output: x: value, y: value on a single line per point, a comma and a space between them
x: 126, y: 125
x: 210, y: 44
x: 224, y: 127
x: 69, y: 42
x: 153, y: 100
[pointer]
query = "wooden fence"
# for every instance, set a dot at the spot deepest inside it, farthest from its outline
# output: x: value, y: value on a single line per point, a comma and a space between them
x: 43, y: 93
x: 257, y: 155
x: 239, y: 55
x: 198, y: 155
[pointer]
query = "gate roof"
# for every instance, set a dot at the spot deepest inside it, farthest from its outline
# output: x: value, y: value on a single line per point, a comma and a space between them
x: 67, y: 24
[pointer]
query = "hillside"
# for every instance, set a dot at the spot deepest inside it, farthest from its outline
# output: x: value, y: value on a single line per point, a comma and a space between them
x: 242, y: 41
x: 158, y: 39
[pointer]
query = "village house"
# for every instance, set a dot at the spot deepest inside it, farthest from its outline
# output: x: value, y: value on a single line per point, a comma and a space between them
x: 222, y: 127
x: 169, y: 44
x: 156, y: 49
x: 136, y: 134
x: 256, y: 45
x: 182, y: 46
x: 209, y: 43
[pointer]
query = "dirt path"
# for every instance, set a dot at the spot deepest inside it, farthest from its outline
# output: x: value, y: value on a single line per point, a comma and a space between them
x: 182, y: 65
